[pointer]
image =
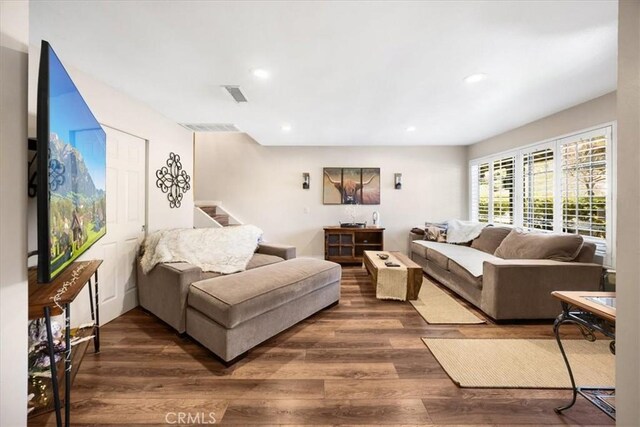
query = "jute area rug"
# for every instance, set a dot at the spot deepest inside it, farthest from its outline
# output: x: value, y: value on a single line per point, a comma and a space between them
x: 523, y: 363
x: 437, y: 307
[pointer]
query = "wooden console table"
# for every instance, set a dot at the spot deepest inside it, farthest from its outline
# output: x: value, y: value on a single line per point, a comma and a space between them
x: 52, y: 299
x: 347, y: 245
x: 589, y: 312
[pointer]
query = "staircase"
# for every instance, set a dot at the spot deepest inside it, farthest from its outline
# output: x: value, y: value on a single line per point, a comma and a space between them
x: 219, y: 217
x: 211, y: 214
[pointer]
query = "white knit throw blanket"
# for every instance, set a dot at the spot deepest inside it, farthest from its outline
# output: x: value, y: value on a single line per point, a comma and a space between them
x: 222, y: 250
x: 463, y: 231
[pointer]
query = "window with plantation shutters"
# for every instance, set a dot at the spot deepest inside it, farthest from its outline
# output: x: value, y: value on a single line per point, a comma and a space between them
x: 584, y: 184
x: 561, y: 185
x: 537, y: 189
x: 483, y: 192
x: 480, y: 192
x: 492, y: 191
x: 503, y: 187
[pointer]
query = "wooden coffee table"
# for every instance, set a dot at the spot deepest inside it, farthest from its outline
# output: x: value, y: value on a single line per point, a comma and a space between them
x: 414, y: 271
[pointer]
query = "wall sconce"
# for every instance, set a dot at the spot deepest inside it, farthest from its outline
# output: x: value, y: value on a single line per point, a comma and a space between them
x: 306, y: 180
x: 397, y: 180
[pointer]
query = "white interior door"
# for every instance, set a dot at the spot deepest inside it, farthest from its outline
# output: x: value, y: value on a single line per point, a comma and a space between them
x: 126, y: 205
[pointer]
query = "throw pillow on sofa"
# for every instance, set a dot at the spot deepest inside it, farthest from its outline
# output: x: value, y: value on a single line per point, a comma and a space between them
x: 522, y: 245
x: 435, y: 231
x: 490, y: 238
x: 418, y: 230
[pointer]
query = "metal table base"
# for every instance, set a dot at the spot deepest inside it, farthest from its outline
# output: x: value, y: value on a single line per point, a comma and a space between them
x: 588, y: 325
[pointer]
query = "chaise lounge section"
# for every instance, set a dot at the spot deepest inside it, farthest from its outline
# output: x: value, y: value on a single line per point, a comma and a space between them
x: 164, y: 290
x: 230, y: 314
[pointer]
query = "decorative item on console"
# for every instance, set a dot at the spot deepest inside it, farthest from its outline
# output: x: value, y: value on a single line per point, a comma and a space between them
x: 353, y: 224
x: 376, y: 219
x: 352, y: 212
x: 38, y: 355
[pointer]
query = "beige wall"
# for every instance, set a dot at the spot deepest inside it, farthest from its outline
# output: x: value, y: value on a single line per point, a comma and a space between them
x: 628, y: 238
x: 597, y: 111
x: 263, y: 186
x: 14, y: 40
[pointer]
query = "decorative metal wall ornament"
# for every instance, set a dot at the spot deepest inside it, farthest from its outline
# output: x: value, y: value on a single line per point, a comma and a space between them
x: 173, y: 180
x: 56, y: 175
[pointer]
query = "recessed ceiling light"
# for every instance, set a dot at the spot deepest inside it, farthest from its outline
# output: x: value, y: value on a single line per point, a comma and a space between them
x: 261, y: 73
x: 411, y: 129
x: 475, y: 78
x: 286, y: 128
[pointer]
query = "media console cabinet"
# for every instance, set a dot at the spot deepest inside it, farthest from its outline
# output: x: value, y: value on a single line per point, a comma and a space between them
x: 347, y: 245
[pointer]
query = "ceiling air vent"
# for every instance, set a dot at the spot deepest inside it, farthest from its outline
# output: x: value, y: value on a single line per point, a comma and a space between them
x: 210, y: 127
x: 236, y: 93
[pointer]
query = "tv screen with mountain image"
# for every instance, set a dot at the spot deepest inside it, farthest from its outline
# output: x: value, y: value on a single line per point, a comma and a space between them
x: 71, y: 170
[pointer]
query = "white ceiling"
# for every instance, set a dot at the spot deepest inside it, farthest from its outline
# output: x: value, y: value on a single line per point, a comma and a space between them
x: 344, y: 73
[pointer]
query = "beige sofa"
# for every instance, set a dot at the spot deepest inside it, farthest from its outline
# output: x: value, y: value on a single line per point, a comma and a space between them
x: 230, y: 314
x: 507, y: 289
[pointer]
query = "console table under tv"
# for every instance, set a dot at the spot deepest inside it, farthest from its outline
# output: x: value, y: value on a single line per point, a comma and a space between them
x: 52, y: 299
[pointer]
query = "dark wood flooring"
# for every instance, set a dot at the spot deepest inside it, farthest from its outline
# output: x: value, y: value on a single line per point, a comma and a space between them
x: 359, y: 363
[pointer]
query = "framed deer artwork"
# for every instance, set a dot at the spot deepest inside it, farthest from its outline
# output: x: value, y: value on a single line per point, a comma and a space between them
x: 351, y: 186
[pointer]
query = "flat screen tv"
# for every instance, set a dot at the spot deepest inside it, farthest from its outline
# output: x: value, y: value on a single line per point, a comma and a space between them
x: 71, y: 170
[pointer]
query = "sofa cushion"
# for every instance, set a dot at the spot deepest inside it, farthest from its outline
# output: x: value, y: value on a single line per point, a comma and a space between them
x: 257, y: 260
x: 558, y: 247
x: 464, y: 275
x: 438, y: 258
x: 233, y: 299
x: 490, y: 238
x: 587, y: 253
x: 260, y: 260
x: 466, y: 257
x: 418, y: 248
x: 209, y: 275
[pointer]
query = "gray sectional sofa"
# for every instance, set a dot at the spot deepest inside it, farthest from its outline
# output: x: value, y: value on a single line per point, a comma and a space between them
x: 513, y: 280
x: 230, y: 314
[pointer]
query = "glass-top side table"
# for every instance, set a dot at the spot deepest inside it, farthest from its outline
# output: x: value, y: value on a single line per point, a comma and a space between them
x: 591, y: 312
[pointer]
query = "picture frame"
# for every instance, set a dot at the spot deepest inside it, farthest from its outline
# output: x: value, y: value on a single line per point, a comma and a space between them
x: 350, y: 186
